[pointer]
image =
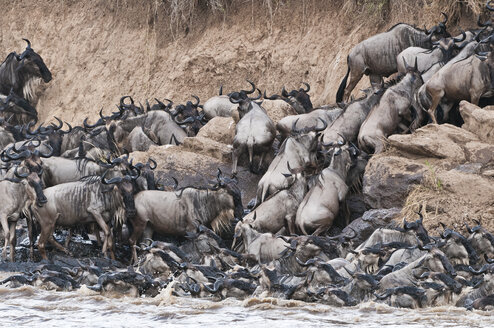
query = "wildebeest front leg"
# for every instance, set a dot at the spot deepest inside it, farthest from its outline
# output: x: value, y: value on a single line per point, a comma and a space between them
x: 13, y: 240
x: 6, y: 234
x: 236, y: 153
x: 69, y: 237
x: 108, y: 243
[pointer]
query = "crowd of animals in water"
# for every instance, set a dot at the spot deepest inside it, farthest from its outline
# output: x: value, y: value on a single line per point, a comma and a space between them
x: 95, y: 217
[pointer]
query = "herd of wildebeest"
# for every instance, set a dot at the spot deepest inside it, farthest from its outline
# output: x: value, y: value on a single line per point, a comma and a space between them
x: 82, y: 179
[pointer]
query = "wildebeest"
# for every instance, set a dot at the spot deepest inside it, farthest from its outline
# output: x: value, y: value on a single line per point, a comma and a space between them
x: 285, y: 125
x: 376, y: 56
x: 321, y: 204
x: 92, y: 199
x: 348, y: 124
x: 298, y: 151
x: 393, y: 109
x: 254, y: 132
x: 16, y: 196
x: 22, y: 73
x: 298, y: 99
x: 175, y: 213
x: 17, y: 109
x: 465, y: 77
x: 221, y: 105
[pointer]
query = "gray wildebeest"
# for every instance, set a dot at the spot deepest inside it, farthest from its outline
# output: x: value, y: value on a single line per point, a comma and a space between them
x: 299, y: 151
x: 467, y: 78
x: 321, y: 204
x: 393, y: 109
x: 221, y: 105
x: 23, y: 73
x: 254, y: 133
x: 16, y: 196
x: 376, y: 56
x: 89, y: 200
x: 176, y: 213
x: 284, y: 126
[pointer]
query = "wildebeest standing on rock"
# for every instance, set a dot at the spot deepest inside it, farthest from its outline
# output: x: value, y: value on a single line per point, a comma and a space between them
x: 393, y: 109
x: 175, y: 213
x: 298, y: 99
x: 254, y: 133
x: 376, y: 56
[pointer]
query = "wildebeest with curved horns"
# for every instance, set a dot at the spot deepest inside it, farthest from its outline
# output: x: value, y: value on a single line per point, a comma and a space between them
x: 175, y: 213
x: 298, y: 99
x: 91, y: 199
x: 22, y: 73
x: 376, y: 56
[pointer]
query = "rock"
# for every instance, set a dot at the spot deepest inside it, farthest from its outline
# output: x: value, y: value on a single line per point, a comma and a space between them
x: 370, y: 221
x: 387, y: 180
x: 220, y: 129
x: 435, y: 141
x: 479, y: 121
x: 208, y: 147
x: 277, y: 109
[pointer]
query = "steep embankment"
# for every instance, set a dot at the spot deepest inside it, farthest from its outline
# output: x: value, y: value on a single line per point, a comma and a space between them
x: 99, y: 50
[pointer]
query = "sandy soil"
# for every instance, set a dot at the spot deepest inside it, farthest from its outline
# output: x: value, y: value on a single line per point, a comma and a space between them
x: 99, y: 50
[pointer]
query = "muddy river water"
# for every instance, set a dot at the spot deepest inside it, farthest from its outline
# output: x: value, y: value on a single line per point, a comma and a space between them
x: 32, y: 307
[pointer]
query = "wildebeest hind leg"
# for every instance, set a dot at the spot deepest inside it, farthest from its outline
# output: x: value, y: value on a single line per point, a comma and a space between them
x: 69, y: 237
x: 108, y: 243
x: 6, y: 235
x: 57, y: 245
x: 355, y: 77
x: 13, y: 241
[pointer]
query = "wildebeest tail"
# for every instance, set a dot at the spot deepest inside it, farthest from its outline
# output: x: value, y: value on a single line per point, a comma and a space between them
x: 250, y: 149
x: 341, y: 89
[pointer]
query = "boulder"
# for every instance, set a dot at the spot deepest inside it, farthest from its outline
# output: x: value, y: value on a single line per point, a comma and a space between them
x: 208, y: 147
x: 220, y: 129
x: 479, y: 121
x: 277, y: 109
x: 387, y: 180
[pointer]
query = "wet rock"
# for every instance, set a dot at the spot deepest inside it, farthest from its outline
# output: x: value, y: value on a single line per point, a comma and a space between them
x: 370, y: 221
x: 220, y: 129
x: 479, y: 121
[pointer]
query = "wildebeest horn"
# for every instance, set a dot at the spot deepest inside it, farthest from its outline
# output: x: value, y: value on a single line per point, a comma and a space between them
x: 186, y: 121
x: 111, y: 181
x: 250, y: 91
x: 258, y: 97
x: 19, y: 175
x: 324, y: 125
x: 60, y: 124
x: 151, y: 163
x: 175, y: 183
x: 69, y: 130
x: 342, y: 143
x: 174, y: 139
x: 197, y: 99
x: 486, y: 24
x: 273, y: 97
x: 462, y: 38
x: 445, y: 18
x: 233, y: 100
x: 482, y: 270
x: 89, y: 126
x: 489, y: 6
x: 307, y: 87
x: 47, y: 155
x: 294, y: 127
x: 122, y: 104
x: 284, y: 93
x: 221, y: 90
x: 24, y: 154
x: 28, y: 44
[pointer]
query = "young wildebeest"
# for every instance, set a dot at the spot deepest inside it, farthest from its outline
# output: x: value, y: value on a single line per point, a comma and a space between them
x: 393, y: 108
x: 321, y: 204
x: 376, y: 56
x: 254, y: 133
x: 298, y: 151
x: 175, y: 214
x: 91, y: 199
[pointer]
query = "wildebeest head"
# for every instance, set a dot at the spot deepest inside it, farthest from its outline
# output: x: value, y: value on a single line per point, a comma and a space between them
x: 439, y: 29
x: 126, y: 187
x: 298, y: 99
x: 481, y: 240
x: 419, y: 229
x: 32, y: 179
x: 231, y: 187
x: 32, y: 64
x: 147, y: 173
